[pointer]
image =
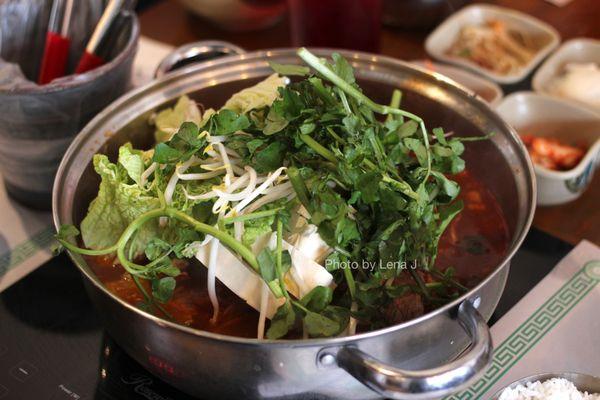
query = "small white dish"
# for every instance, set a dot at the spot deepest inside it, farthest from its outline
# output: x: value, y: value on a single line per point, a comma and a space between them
x: 583, y: 382
x: 484, y: 88
x: 542, y: 115
x: 581, y: 50
x: 442, y: 38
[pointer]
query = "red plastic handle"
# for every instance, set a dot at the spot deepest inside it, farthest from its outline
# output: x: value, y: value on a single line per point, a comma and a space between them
x: 55, y: 58
x: 88, y: 62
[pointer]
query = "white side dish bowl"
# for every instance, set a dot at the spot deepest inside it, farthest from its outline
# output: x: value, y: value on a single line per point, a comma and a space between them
x: 484, y: 88
x: 583, y: 383
x: 542, y: 115
x: 575, y: 51
x: 442, y: 38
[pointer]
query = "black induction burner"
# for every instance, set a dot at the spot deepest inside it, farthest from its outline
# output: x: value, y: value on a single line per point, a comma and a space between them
x: 52, y: 345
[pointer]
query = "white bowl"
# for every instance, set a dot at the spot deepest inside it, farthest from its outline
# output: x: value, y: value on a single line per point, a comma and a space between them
x: 542, y: 115
x: 484, y: 88
x: 442, y: 38
x: 580, y: 50
x: 583, y: 382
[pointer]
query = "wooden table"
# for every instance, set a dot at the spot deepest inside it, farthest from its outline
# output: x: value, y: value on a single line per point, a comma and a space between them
x: 169, y: 22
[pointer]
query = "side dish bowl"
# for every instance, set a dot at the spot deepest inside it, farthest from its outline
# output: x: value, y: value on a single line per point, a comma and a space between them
x: 413, y: 360
x: 440, y: 40
x: 582, y: 50
x: 541, y: 115
x: 583, y: 382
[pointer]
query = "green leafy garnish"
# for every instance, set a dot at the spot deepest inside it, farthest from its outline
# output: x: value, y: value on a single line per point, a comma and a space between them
x: 186, y: 142
x: 162, y: 289
x: 226, y: 122
x: 283, y: 320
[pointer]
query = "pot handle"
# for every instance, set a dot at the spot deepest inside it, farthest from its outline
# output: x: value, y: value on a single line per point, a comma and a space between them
x: 196, y: 52
x: 437, y: 382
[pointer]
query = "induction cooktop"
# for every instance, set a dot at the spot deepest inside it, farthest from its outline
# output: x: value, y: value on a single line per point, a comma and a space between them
x: 53, y: 346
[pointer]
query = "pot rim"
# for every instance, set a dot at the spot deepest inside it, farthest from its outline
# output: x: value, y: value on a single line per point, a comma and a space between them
x: 82, y: 138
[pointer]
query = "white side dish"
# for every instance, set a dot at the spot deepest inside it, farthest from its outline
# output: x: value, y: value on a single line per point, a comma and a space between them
x: 545, y: 116
x: 444, y: 36
x: 552, y: 389
x: 580, y: 82
x: 577, y: 63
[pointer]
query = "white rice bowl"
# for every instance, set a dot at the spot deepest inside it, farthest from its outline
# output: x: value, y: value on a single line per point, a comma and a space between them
x: 551, y: 389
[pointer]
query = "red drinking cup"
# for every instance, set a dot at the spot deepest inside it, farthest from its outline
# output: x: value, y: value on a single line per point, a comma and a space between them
x: 346, y: 24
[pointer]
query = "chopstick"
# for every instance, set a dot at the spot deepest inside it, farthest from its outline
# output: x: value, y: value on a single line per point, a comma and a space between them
x: 91, y: 58
x: 56, y: 50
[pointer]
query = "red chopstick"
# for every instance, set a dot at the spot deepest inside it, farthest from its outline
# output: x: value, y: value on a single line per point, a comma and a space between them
x: 56, y: 50
x: 90, y: 58
x: 88, y: 62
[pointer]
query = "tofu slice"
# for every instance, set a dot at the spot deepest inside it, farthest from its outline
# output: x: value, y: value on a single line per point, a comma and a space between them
x: 306, y: 239
x: 304, y: 275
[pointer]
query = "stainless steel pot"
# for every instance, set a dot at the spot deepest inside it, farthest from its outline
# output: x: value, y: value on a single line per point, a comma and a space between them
x: 413, y: 360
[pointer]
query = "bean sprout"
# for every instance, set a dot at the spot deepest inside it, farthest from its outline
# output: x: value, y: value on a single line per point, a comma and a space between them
x: 258, y: 191
x: 211, y: 278
x: 228, y: 196
x: 146, y: 174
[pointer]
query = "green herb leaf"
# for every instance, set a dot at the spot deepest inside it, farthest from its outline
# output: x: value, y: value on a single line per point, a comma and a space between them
x: 187, y: 137
x: 307, y: 128
x: 342, y: 68
x: 330, y: 322
x: 163, y: 288
x: 409, y: 128
x: 266, y: 265
x: 270, y: 158
x: 418, y: 148
x: 447, y: 214
x: 155, y: 248
x: 165, y: 154
x: 368, y: 185
x: 317, y: 299
x: 227, y: 122
x: 268, y: 271
x: 283, y: 320
x: 254, y: 144
x: 449, y: 188
x: 439, y: 135
x: 166, y: 267
x: 290, y: 105
x: 318, y: 325
x: 286, y: 261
